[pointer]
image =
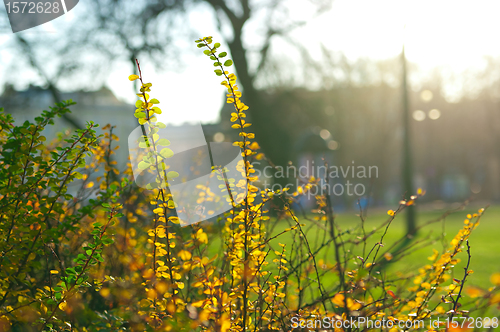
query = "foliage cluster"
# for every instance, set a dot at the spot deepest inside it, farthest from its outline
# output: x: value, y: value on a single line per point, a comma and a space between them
x: 85, y: 249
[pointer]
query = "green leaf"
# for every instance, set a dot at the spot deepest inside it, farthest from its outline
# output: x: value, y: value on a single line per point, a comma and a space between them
x: 213, y: 58
x: 140, y: 115
x: 207, y: 52
x: 218, y: 72
x: 143, y: 145
x: 200, y: 45
x: 88, y: 252
x: 166, y: 153
x: 138, y: 104
x: 154, y: 101
x: 172, y: 175
x: 143, y: 165
x: 222, y: 54
x: 216, y: 45
x: 228, y: 63
x: 107, y: 241
x: 217, y: 64
x: 163, y: 142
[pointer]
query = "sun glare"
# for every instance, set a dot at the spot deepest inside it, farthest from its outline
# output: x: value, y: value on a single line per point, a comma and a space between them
x: 452, y: 33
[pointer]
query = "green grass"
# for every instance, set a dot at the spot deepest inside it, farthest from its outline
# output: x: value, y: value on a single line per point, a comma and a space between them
x: 484, y: 242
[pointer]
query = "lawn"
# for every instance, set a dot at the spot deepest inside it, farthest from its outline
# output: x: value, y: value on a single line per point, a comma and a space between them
x: 485, y: 247
x: 484, y: 241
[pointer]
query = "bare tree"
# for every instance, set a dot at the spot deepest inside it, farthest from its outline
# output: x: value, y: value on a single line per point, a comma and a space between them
x: 268, y: 121
x: 114, y: 30
x: 126, y: 30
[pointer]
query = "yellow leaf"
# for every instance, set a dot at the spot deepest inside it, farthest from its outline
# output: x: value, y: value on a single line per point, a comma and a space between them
x: 474, y: 292
x: 174, y: 220
x: 62, y: 305
x: 338, y: 299
x: 391, y: 213
x: 133, y: 77
x: 353, y: 305
x: 198, y: 303
x: 54, y: 272
x: 104, y: 292
x: 185, y: 255
x: 495, y: 279
x: 495, y: 299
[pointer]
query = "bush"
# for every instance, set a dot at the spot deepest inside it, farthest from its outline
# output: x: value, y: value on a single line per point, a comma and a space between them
x: 85, y: 249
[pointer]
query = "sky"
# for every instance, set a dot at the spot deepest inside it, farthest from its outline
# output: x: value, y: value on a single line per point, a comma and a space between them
x: 451, y: 34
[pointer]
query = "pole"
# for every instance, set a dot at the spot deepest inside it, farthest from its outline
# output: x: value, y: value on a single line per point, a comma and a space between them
x: 407, y: 157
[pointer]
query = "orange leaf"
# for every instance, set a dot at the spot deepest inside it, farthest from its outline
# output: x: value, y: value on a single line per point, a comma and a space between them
x: 391, y: 293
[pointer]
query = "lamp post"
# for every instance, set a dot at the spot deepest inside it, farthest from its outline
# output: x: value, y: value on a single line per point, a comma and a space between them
x: 407, y: 156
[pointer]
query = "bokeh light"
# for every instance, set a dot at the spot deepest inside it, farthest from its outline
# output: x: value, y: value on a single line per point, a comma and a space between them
x: 419, y: 115
x: 434, y: 114
x: 219, y: 137
x: 333, y: 145
x: 325, y: 134
x: 426, y: 95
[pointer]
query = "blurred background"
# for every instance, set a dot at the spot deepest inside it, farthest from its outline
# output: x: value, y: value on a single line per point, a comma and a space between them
x: 325, y: 81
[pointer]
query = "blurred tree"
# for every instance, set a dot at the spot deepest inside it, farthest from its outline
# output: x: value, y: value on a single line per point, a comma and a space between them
x: 269, y: 122
x: 411, y: 226
x: 137, y: 29
x: 125, y: 29
x: 63, y: 68
x: 115, y: 29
